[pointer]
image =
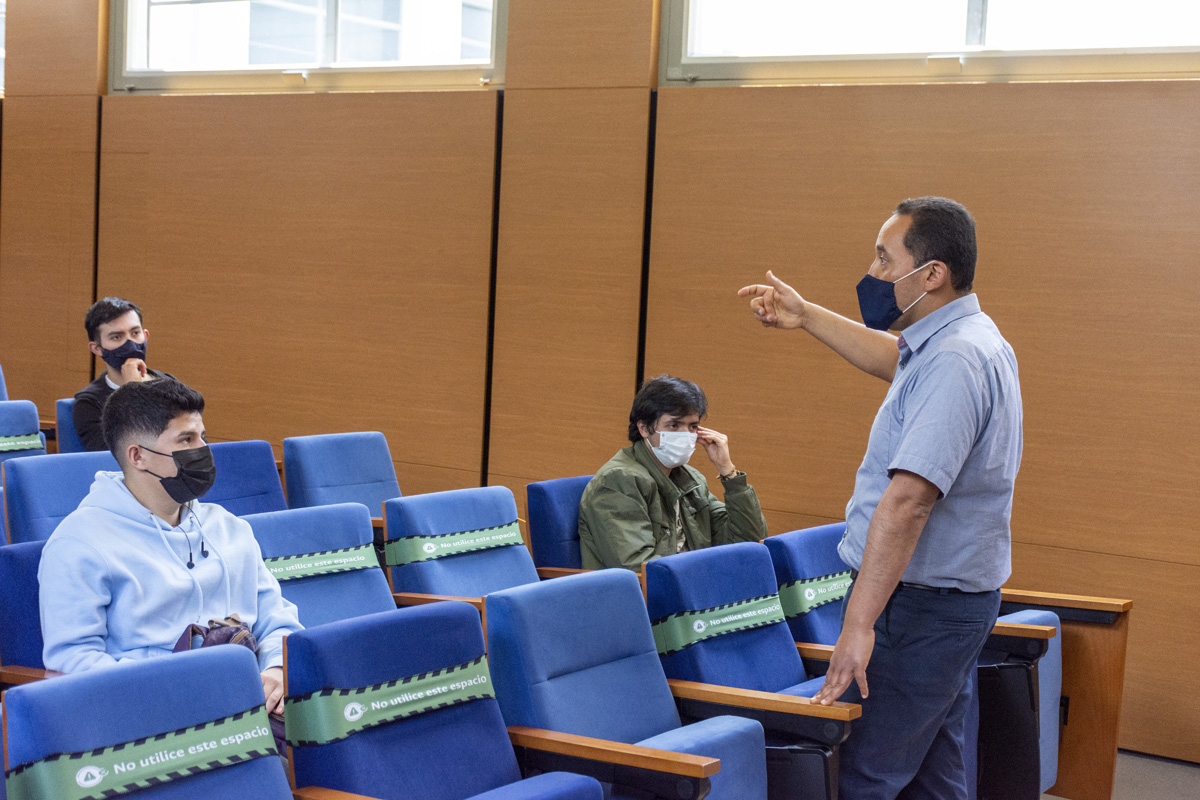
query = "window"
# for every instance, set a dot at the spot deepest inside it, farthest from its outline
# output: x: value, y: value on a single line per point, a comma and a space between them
x: 810, y: 41
x: 3, y: 20
x: 275, y: 45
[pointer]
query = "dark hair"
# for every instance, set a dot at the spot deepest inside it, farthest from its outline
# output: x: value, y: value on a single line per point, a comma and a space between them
x: 664, y: 395
x: 942, y: 230
x: 145, y: 409
x: 107, y: 310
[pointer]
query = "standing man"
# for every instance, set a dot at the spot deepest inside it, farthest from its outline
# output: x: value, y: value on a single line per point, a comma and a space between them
x: 927, y: 529
x: 115, y: 334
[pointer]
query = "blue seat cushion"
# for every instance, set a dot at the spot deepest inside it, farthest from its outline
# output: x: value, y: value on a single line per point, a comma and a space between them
x: 764, y: 659
x: 1049, y: 689
x: 40, y: 491
x: 20, y: 630
x: 548, y: 786
x: 738, y: 742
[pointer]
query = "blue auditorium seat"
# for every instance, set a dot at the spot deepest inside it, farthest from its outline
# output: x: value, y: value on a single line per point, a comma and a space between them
x: 143, y: 700
x: 409, y: 749
x: 809, y: 557
x: 340, y: 531
x: 20, y: 626
x: 430, y: 521
x: 339, y: 468
x: 576, y: 655
x: 554, y: 521
x: 743, y: 641
x: 3, y: 387
x: 247, y: 478
x: 20, y: 431
x: 68, y: 438
x: 40, y: 491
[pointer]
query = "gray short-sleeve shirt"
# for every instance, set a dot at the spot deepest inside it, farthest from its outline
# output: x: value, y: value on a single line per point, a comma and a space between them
x: 952, y: 416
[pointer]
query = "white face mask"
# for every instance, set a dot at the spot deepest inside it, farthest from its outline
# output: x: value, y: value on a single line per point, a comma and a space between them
x: 674, y: 448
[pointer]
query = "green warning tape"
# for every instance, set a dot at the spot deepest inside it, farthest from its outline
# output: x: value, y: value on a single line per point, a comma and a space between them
x: 411, y: 549
x: 323, y: 562
x: 122, y: 769
x: 29, y: 441
x: 333, y: 714
x: 802, y: 596
x: 686, y: 628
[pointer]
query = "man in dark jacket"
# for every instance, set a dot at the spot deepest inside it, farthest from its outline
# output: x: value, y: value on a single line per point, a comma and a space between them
x: 646, y: 502
x: 115, y: 334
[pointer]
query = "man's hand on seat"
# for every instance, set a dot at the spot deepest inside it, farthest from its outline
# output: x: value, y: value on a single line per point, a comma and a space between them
x: 272, y: 681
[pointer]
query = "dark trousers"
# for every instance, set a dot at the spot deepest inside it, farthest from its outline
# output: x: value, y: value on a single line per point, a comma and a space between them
x: 908, y: 743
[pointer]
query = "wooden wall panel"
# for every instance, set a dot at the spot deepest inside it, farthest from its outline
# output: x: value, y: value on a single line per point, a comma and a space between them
x: 47, y: 245
x: 313, y: 263
x: 1161, y: 692
x: 572, y: 200
x: 552, y: 44
x: 56, y: 47
x: 1085, y: 198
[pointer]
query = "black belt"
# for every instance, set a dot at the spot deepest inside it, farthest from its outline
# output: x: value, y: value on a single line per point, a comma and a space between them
x: 921, y: 586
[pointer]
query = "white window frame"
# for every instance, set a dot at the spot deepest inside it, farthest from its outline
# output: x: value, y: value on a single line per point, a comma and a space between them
x: 358, y: 77
x: 966, y: 65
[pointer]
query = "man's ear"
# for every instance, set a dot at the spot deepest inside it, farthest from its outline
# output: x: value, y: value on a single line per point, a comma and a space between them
x: 643, y: 430
x: 939, y: 276
x: 95, y: 348
x: 134, y: 457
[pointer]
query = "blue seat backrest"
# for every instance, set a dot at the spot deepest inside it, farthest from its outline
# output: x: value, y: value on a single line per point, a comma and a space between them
x: 20, y: 622
x: 40, y: 491
x: 764, y: 659
x: 444, y: 754
x: 554, y: 521
x: 576, y: 655
x: 105, y: 707
x: 469, y: 574
x: 3, y: 386
x: 247, y: 478
x: 20, y: 418
x: 810, y: 553
x: 68, y: 438
x: 325, y: 598
x: 339, y: 468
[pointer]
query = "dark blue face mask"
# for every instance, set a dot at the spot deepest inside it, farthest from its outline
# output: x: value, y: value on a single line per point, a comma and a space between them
x: 877, y: 300
x: 119, y: 355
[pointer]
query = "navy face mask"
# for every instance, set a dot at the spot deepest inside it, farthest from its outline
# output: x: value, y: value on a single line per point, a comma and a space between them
x: 119, y: 355
x: 877, y: 300
x: 194, y: 476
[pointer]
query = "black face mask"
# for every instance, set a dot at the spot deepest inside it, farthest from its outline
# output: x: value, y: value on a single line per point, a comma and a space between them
x: 195, y: 473
x: 119, y: 355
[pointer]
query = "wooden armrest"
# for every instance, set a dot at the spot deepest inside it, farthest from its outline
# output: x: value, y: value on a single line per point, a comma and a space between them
x: 764, y: 701
x: 626, y: 755
x: 821, y: 652
x: 559, y: 572
x: 376, y: 522
x: 1024, y: 631
x: 1051, y: 599
x: 47, y: 424
x: 18, y: 675
x: 321, y: 793
x: 415, y: 599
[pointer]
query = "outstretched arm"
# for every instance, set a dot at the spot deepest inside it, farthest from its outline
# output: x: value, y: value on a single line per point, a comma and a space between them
x: 777, y: 305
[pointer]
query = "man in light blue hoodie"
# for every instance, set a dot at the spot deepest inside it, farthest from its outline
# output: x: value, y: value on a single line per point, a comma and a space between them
x: 140, y: 559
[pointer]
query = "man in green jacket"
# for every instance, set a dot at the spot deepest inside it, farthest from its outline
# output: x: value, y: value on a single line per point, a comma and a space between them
x: 646, y: 503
